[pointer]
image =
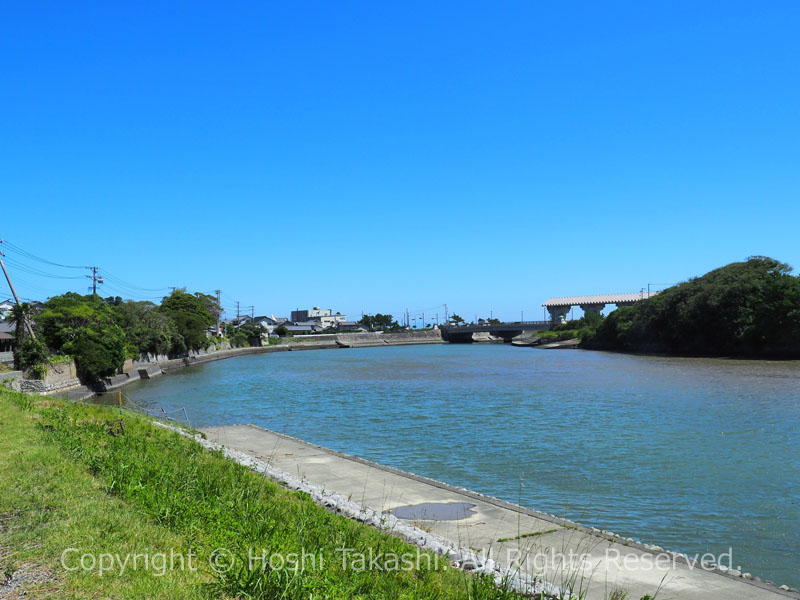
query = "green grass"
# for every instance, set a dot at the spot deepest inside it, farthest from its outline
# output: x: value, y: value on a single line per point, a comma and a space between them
x: 82, y: 476
x: 527, y: 535
x: 554, y: 336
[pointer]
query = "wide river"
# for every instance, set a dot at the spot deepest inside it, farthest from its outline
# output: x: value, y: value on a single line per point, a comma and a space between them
x: 695, y: 455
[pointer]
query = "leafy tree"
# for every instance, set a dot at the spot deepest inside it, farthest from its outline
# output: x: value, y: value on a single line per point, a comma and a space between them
x: 99, y: 351
x: 84, y: 327
x: 211, y: 305
x: 147, y: 329
x: 378, y: 321
x: 456, y: 319
x: 281, y: 331
x: 251, y: 333
x: 20, y: 316
x: 191, y: 315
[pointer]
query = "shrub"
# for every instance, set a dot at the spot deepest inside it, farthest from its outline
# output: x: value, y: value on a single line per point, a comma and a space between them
x: 38, y: 371
x: 30, y: 352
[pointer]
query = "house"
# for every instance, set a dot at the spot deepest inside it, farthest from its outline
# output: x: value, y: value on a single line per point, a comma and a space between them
x: 5, y: 309
x: 350, y: 326
x: 7, y: 341
x: 271, y: 322
x: 303, y: 327
x: 324, y: 317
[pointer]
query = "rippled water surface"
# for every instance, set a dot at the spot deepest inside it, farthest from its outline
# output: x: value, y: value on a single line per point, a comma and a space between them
x: 693, y: 454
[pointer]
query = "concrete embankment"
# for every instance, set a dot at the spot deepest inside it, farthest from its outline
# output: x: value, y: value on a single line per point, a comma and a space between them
x: 489, y: 535
x: 433, y: 336
x: 150, y: 366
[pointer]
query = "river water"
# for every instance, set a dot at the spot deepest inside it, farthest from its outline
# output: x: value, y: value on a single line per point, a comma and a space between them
x: 695, y: 455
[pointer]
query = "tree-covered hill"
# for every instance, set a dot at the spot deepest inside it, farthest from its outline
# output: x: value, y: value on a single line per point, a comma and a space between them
x: 747, y: 308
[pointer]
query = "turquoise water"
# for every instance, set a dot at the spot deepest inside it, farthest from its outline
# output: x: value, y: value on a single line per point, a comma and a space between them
x: 696, y: 455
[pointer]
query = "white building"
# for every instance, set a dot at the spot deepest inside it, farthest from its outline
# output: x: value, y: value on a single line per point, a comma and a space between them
x: 324, y: 317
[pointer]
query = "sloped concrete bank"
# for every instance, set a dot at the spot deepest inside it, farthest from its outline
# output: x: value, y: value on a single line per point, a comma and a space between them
x: 490, y: 539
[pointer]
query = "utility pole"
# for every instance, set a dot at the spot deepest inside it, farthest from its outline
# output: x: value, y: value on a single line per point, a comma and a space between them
x: 423, y: 320
x: 95, y: 279
x: 521, y: 317
x: 237, y: 313
x: 219, y: 308
x: 445, y: 313
x: 14, y: 293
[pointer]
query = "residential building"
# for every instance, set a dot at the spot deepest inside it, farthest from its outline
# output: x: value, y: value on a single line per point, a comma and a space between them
x: 350, y: 326
x: 325, y: 317
x: 7, y: 341
x: 5, y: 309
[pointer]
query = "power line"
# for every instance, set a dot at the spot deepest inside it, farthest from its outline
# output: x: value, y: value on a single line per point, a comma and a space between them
x: 37, y: 258
x: 124, y: 283
x: 18, y: 265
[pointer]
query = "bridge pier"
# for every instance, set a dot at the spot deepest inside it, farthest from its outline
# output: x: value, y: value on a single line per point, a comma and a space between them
x: 596, y: 308
x: 558, y: 314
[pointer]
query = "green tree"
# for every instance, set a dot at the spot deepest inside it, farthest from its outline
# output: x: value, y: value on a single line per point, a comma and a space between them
x: 456, y: 319
x: 98, y: 351
x: 147, y: 329
x: 248, y: 334
x: 211, y: 305
x: 191, y: 315
x: 20, y: 316
x: 378, y: 321
x: 281, y: 331
x: 84, y: 327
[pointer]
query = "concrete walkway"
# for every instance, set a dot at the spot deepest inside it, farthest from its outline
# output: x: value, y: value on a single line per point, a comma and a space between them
x: 541, y: 544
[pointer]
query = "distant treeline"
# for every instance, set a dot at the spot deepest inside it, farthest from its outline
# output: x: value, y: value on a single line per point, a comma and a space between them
x: 749, y: 308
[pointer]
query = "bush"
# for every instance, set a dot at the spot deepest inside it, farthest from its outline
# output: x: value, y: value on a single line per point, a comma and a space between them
x: 281, y: 331
x: 38, y: 371
x: 31, y: 352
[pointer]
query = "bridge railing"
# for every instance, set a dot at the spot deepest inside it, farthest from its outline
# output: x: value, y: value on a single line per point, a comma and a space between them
x: 508, y: 324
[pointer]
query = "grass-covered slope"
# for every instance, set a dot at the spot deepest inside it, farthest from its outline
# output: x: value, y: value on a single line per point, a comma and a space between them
x: 749, y: 308
x: 84, y: 477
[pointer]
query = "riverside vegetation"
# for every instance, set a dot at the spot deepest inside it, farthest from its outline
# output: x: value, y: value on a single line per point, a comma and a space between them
x: 101, y: 481
x: 749, y: 308
x: 101, y: 333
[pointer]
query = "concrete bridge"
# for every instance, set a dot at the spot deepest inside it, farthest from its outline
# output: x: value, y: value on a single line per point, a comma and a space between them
x: 560, y: 307
x: 507, y: 331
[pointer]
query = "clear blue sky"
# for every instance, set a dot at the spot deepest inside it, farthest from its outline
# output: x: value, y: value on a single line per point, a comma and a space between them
x: 370, y: 156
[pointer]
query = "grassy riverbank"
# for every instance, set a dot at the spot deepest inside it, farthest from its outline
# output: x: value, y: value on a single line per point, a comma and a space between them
x: 83, y: 477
